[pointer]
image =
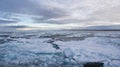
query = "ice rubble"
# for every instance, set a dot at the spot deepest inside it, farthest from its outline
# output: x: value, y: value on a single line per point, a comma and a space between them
x: 25, y: 50
x: 96, y: 47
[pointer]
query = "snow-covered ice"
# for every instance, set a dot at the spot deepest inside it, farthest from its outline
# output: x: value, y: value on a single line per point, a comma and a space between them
x: 60, y: 48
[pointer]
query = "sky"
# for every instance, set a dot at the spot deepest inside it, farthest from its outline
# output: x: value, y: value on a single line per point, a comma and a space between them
x: 58, y: 14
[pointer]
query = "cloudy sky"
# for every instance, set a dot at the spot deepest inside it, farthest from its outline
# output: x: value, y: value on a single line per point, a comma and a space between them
x: 58, y: 14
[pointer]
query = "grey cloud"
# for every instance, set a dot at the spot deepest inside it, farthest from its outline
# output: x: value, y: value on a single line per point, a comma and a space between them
x: 110, y: 27
x: 112, y: 14
x: 20, y: 26
x: 12, y: 28
x: 64, y: 21
x: 7, y: 21
x: 61, y: 12
x: 28, y: 7
x: 7, y: 18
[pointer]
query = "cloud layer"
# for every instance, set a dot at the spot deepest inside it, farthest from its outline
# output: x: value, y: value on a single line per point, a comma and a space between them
x: 79, y: 13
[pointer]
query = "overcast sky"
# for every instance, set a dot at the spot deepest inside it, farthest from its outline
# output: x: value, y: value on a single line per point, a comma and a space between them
x: 58, y: 14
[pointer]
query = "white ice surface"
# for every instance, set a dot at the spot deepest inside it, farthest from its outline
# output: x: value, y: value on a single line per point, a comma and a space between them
x: 103, y: 47
x: 94, y: 49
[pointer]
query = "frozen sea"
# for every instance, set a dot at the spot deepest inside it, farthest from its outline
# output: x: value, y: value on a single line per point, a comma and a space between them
x: 59, y: 48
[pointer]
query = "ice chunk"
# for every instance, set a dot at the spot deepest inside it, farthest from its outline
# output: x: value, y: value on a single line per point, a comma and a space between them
x: 68, y: 53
